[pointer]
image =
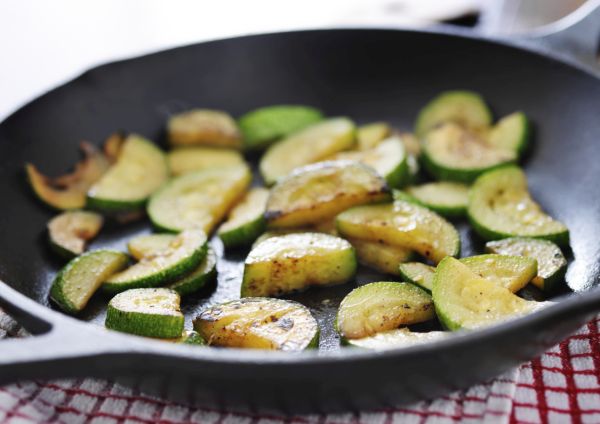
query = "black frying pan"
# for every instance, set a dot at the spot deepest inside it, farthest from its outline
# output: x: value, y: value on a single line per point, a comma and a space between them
x: 365, y: 74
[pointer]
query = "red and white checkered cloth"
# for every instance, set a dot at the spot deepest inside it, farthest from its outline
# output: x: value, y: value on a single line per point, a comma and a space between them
x: 561, y: 386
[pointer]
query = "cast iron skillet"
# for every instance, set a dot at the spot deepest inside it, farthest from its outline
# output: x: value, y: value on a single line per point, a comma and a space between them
x: 365, y: 74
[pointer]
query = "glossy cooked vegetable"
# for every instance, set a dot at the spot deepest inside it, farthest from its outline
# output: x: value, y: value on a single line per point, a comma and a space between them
x: 444, y: 197
x: 418, y: 274
x: 77, y: 281
x: 293, y: 262
x: 69, y: 231
x: 146, y: 312
x: 190, y: 159
x: 397, y: 338
x: 261, y: 127
x: 316, y: 193
x: 69, y: 191
x: 148, y: 245
x: 312, y: 144
x: 500, y: 206
x: 402, y: 224
x: 141, y: 168
x: 259, y: 323
x: 383, y: 306
x: 552, y: 264
x: 246, y: 220
x: 198, y: 199
x: 204, y: 127
x: 370, y: 135
x: 511, y: 133
x: 381, y: 257
x: 511, y: 272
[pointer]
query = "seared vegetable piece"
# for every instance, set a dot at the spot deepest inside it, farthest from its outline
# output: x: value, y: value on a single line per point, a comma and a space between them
x: 511, y: 272
x: 402, y: 224
x: 189, y: 159
x: 259, y: 323
x: 246, y: 221
x: 148, y: 245
x: 198, y: 199
x: 146, y: 312
x: 445, y: 198
x: 312, y: 144
x: 378, y: 307
x: 184, y: 254
x: 75, y: 284
x: 69, y: 231
x: 399, y: 337
x: 464, y: 108
x: 500, y: 206
x: 511, y: 133
x: 204, y: 127
x: 139, y: 171
x: 189, y: 337
x: 381, y: 257
x: 263, y: 126
x: 370, y: 135
x: 464, y: 300
x: 452, y: 153
x: 293, y: 262
x: 69, y: 191
x: 316, y: 193
x: 388, y: 158
x: 112, y: 146
x: 418, y: 274
x: 552, y: 264
x: 205, y: 273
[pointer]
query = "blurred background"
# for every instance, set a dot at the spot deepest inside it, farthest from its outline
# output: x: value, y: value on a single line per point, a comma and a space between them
x: 44, y: 43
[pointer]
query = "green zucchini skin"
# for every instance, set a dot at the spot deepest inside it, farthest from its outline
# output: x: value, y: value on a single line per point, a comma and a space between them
x: 431, y: 195
x: 200, y: 277
x: 519, y: 142
x: 245, y: 234
x: 246, y: 221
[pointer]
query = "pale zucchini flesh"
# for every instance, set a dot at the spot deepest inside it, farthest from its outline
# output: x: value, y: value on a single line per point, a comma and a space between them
x: 198, y: 199
x: 141, y: 168
x: 190, y: 159
x: 402, y: 224
x: 500, y: 206
x: 397, y: 338
x: 148, y: 245
x: 418, y: 274
x: 259, y: 323
x: 312, y: 144
x: 204, y: 127
x: 444, y: 197
x: 552, y: 264
x: 150, y: 312
x: 70, y: 231
x: 75, y: 284
x: 511, y: 272
x: 183, y: 255
x: 296, y: 261
x: 200, y: 277
x: 316, y: 193
x: 261, y: 127
x: 464, y: 300
x: 370, y: 135
x: 380, y: 257
x: 382, y: 306
x: 511, y: 133
x: 246, y: 220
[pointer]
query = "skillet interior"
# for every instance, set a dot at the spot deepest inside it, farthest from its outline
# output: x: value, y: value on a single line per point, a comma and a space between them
x: 365, y: 74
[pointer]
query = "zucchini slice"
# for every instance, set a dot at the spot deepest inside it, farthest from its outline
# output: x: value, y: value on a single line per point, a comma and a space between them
x: 444, y: 197
x: 261, y: 127
x: 500, y: 206
x: 190, y: 159
x: 140, y: 170
x: 402, y: 224
x: 464, y: 300
x: 294, y: 262
x: 69, y: 191
x: 381, y: 257
x: 146, y: 312
x: 148, y: 245
x: 198, y: 199
x: 184, y: 254
x: 312, y: 144
x: 397, y: 338
x: 511, y: 272
x: 205, y: 273
x: 204, y: 127
x: 552, y: 264
x: 69, y: 231
x: 452, y: 153
x: 464, y: 108
x: 418, y: 274
x: 378, y: 307
x: 316, y: 193
x: 388, y: 158
x: 75, y: 284
x: 368, y: 136
x: 511, y: 133
x: 246, y: 220
x: 189, y: 337
x: 259, y: 323
x: 112, y: 146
